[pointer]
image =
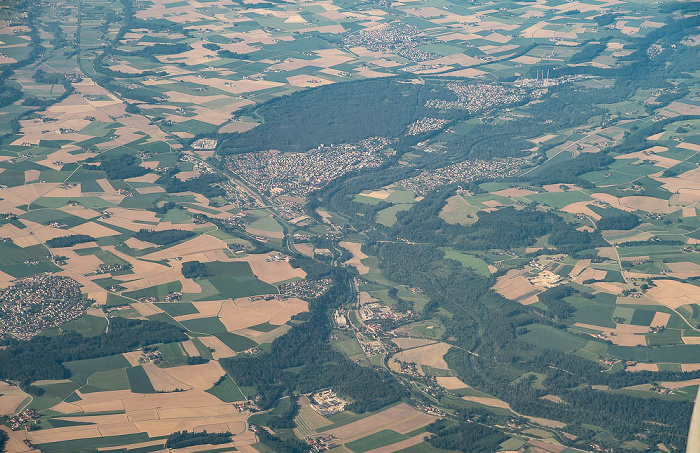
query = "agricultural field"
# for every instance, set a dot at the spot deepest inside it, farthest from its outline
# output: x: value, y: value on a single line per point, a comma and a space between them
x: 459, y: 219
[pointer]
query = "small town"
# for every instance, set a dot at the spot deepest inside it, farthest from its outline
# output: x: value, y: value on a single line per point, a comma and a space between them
x: 275, y: 174
x: 481, y: 96
x: 398, y: 38
x: 305, y: 289
x: 37, y: 303
x: 465, y: 171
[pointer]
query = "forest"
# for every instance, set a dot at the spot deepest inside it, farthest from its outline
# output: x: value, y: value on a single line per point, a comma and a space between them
x: 329, y: 114
x: 337, y: 114
x: 163, y: 237
x: 305, y: 348
x: 42, y: 356
x: 502, y: 229
x: 182, y: 439
x: 122, y: 167
x: 485, y: 322
x: 467, y: 437
x: 201, y: 184
x: 69, y: 241
x: 618, y: 220
x: 194, y: 269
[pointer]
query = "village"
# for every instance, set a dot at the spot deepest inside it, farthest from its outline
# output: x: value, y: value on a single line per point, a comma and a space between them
x: 466, y: 171
x: 398, y: 38
x: 480, y: 96
x: 37, y: 303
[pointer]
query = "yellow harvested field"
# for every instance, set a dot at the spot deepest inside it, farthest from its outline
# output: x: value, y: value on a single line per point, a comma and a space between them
x: 605, y: 330
x: 581, y: 207
x: 133, y: 357
x: 165, y: 427
x: 220, y: 349
x: 674, y: 294
x: 139, y: 416
x: 408, y: 343
x: 190, y: 348
x: 243, y: 312
x: 514, y: 286
x: 456, y: 210
x: 590, y: 273
x: 162, y: 380
x: 611, y: 200
x: 146, y: 308
x: 559, y: 187
x: 11, y: 397
x: 680, y: 384
x: 15, y: 442
x: 269, y: 234
x: 197, y: 245
x: 272, y: 271
x: 486, y: 401
x: 690, y: 367
x: 691, y: 340
x: 689, y: 212
x: 152, y: 189
x: 629, y: 339
x: 67, y: 433
x: 643, y: 367
x: 609, y: 287
x: 684, y: 270
x: 630, y: 329
x: 378, y: 194
x: 401, y: 445
x: 201, y: 377
x: 579, y: 267
x: 356, y: 249
x: 647, y: 204
x: 305, y: 248
x: 660, y: 319
x: 514, y: 192
x: 401, y: 418
x: 451, y: 383
x: 430, y: 355
x: 134, y: 243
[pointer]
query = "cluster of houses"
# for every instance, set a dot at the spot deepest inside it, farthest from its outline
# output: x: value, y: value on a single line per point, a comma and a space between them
x: 37, y: 303
x: 465, y: 171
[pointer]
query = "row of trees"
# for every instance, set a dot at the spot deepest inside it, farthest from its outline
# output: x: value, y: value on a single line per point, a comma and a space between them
x: 182, y: 439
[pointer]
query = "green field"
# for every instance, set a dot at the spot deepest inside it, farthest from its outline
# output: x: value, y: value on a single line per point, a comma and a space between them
x: 376, y: 440
x: 158, y: 291
x: 234, y: 280
x: 227, y: 391
x: 92, y: 444
x: 139, y: 381
x: 107, y: 380
x: 81, y: 370
x: 177, y: 308
x: 473, y: 262
x: 238, y: 343
x: 549, y: 337
x: 204, y: 325
x: 53, y: 394
x: 87, y: 325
